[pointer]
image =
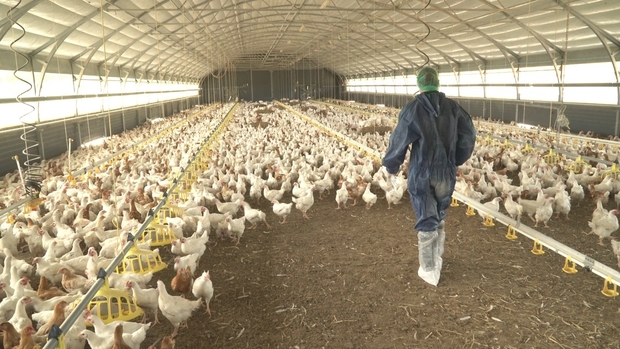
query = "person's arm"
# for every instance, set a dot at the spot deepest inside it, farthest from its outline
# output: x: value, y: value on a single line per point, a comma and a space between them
x: 466, y: 140
x: 399, y: 142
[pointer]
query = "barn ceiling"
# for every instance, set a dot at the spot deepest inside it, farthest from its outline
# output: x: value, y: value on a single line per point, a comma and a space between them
x: 190, y: 39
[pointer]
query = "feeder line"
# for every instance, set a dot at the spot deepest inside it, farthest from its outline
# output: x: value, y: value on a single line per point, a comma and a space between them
x: 559, y: 151
x: 342, y: 138
x: 577, y: 257
x: 52, y: 341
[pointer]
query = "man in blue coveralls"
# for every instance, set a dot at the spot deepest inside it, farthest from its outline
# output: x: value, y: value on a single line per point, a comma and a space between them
x: 440, y: 136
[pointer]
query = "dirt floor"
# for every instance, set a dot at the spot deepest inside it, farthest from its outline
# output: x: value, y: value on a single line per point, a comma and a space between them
x: 348, y: 279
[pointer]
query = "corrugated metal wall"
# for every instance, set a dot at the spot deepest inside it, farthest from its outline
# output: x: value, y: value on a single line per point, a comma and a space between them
x: 255, y: 85
x: 54, y: 135
x: 261, y: 85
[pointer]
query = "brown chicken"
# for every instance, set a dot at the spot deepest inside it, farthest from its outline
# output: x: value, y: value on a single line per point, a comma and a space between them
x: 10, y: 337
x: 356, y: 190
x: 167, y: 343
x: 26, y: 341
x: 182, y: 282
x: 86, y: 212
x: 71, y: 281
x: 119, y: 343
x: 134, y: 213
x: 58, y: 317
x: 226, y: 192
x: 45, y: 291
x: 143, y: 198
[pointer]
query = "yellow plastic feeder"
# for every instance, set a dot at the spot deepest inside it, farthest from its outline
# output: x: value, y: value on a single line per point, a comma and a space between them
x: 527, y: 149
x: 175, y: 210
x: 511, y: 234
x: 164, y: 213
x: 11, y: 218
x: 190, y: 176
x: 613, y: 172
x: 180, y: 194
x: 610, y: 292
x: 488, y: 221
x: 537, y: 249
x: 454, y: 203
x: 552, y: 158
x: 113, y: 305
x: 577, y: 166
x: 140, y: 262
x: 470, y: 211
x: 159, y: 234
x: 569, y: 266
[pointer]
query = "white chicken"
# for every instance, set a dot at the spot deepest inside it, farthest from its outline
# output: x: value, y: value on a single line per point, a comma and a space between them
x: 102, y: 328
x: 544, y: 213
x: 203, y: 288
x: 577, y: 194
x: 272, y: 194
x: 514, y: 209
x: 562, y: 202
x: 227, y: 207
x: 236, y: 228
x: 20, y: 318
x: 282, y: 209
x: 342, y: 195
x: 304, y: 203
x: 599, y: 212
x: 369, y: 197
x: 176, y: 309
x: 106, y: 341
x: 193, y: 245
x: 145, y: 298
x: 604, y: 226
x: 394, y: 196
x: 253, y: 216
x: 190, y: 261
x: 492, y: 206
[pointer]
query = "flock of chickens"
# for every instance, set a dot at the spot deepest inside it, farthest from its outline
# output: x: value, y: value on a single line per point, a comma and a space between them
x: 97, y: 213
x: 247, y: 165
x: 516, y: 168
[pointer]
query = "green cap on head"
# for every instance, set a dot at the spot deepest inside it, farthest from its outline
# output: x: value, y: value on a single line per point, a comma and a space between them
x: 428, y: 79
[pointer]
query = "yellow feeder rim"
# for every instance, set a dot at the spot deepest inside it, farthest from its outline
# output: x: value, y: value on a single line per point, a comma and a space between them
x: 159, y: 234
x: 141, y: 262
x: 113, y: 305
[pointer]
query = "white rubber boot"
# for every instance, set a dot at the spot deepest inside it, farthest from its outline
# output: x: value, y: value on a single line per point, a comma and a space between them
x: 439, y: 244
x: 430, y: 262
x: 441, y: 238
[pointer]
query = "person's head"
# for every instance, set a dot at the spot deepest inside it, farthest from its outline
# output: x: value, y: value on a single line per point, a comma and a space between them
x: 428, y: 79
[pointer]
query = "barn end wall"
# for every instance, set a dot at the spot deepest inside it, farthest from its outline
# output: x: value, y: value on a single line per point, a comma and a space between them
x: 268, y: 85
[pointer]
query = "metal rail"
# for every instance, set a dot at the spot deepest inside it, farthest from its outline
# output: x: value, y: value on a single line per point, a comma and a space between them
x: 577, y: 257
x: 55, y: 334
x: 342, y: 138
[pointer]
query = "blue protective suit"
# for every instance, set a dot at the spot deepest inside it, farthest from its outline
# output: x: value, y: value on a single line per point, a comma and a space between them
x: 442, y: 137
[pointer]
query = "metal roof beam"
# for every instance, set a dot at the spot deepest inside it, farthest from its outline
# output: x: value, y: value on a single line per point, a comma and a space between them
x: 5, y: 23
